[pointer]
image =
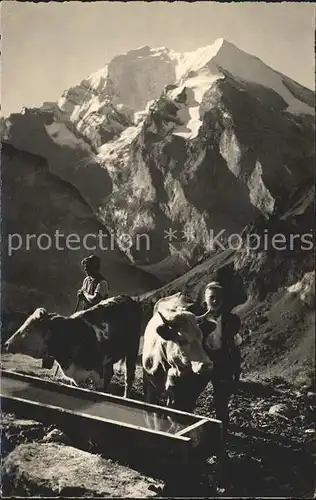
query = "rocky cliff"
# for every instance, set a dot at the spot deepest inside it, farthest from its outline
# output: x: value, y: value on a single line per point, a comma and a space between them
x: 270, y: 283
x: 38, y: 269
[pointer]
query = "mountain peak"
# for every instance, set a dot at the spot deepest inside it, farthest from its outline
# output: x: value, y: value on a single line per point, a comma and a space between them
x: 130, y: 82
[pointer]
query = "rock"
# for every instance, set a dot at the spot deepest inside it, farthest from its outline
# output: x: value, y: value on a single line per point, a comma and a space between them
x: 311, y: 398
x: 298, y: 394
x: 280, y: 410
x: 56, y: 436
x: 23, y: 424
x: 310, y: 431
x: 156, y: 488
x: 306, y: 388
x: 50, y: 469
x: 17, y: 431
x: 262, y: 319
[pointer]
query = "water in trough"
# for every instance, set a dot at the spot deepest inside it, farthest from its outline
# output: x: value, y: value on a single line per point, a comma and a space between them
x: 112, y: 410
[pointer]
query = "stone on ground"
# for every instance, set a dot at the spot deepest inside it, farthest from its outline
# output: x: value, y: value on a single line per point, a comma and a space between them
x: 54, y: 469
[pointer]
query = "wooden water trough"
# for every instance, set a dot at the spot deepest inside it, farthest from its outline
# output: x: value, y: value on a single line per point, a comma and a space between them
x: 123, y: 429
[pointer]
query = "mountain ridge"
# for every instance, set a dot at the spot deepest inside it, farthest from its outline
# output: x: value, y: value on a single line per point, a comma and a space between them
x: 150, y: 70
x: 206, y: 144
x: 37, y: 203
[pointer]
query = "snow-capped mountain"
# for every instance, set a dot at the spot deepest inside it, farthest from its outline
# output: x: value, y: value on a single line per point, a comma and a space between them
x: 197, y: 141
x: 123, y: 90
x: 176, y: 147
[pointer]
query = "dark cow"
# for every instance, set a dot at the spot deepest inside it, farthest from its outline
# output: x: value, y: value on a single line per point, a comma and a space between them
x: 88, y: 343
x: 172, y: 347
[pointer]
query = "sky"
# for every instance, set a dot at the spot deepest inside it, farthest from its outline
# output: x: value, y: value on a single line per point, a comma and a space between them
x: 48, y: 47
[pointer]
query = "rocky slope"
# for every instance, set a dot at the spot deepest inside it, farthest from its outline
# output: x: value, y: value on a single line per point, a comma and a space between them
x: 40, y: 271
x: 272, y: 289
x: 200, y: 141
x: 44, y: 133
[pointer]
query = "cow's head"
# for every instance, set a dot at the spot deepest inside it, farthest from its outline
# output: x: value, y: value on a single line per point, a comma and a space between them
x: 182, y: 329
x: 32, y: 337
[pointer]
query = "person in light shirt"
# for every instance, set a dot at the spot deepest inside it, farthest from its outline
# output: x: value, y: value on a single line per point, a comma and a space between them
x: 94, y: 287
x: 221, y: 340
x: 231, y: 338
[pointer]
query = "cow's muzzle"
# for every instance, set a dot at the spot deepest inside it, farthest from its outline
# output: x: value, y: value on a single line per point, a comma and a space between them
x: 47, y: 362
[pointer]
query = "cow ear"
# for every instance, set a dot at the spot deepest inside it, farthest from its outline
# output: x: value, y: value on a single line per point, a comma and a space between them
x: 40, y: 313
x: 166, y: 332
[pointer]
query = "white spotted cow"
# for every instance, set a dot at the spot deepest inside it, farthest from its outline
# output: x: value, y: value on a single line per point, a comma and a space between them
x: 172, y: 348
x: 86, y: 344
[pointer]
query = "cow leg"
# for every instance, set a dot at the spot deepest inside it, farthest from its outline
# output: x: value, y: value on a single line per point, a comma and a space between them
x: 171, y: 397
x: 222, y: 393
x: 130, y: 367
x: 97, y: 379
x: 236, y: 365
x: 221, y: 397
x: 107, y: 372
x: 150, y: 391
x: 173, y: 377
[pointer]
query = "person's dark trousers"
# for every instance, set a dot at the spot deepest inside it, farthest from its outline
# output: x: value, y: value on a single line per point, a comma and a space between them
x: 186, y: 394
x: 191, y: 386
x: 221, y: 394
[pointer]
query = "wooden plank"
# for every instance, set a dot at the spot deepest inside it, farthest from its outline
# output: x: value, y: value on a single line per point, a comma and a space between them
x: 9, y: 400
x: 192, y: 427
x: 99, y: 396
x: 55, y: 415
x: 206, y: 439
x: 196, y: 432
x: 88, y: 394
x: 190, y: 432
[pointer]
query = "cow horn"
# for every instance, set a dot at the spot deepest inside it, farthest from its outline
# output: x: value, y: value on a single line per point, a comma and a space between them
x: 40, y: 313
x: 166, y: 322
x: 199, y: 318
